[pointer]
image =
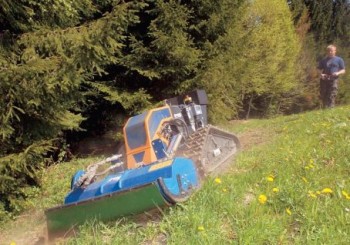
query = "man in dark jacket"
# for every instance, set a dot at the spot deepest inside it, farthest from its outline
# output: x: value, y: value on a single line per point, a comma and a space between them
x: 331, y: 67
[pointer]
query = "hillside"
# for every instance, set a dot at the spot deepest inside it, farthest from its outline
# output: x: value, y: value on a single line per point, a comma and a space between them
x: 289, y: 185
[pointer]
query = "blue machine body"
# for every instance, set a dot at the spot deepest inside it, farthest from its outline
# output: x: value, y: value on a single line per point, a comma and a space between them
x: 176, y: 179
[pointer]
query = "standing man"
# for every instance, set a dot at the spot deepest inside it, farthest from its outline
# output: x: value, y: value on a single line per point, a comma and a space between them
x: 331, y: 67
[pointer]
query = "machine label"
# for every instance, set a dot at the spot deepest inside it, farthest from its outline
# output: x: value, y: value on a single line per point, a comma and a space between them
x: 160, y: 165
x: 177, y: 115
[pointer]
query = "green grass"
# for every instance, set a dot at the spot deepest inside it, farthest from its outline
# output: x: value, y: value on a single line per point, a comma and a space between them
x: 302, y: 169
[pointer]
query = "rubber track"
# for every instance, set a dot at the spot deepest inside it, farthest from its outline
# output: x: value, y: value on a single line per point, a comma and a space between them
x: 196, y: 143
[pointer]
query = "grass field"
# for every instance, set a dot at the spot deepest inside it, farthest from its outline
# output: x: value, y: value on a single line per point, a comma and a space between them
x: 289, y: 185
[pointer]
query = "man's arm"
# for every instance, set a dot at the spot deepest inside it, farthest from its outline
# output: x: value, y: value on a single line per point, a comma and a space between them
x: 341, y: 66
x: 342, y: 71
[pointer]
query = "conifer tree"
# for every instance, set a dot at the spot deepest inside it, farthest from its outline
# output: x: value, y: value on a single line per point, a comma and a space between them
x: 256, y: 60
x: 163, y: 53
x: 329, y: 19
x: 49, y: 66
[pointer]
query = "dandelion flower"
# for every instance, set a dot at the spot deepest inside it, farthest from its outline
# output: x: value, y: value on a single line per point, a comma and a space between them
x: 275, y: 189
x: 200, y: 228
x: 288, y: 211
x: 217, y: 180
x: 270, y: 178
x: 12, y: 243
x: 262, y: 199
x: 311, y: 194
x: 346, y: 195
x: 327, y: 191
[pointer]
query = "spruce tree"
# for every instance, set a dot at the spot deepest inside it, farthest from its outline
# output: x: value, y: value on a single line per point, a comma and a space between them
x: 50, y: 64
x: 162, y: 53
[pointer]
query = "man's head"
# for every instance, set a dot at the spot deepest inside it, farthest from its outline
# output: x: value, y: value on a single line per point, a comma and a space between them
x: 331, y: 50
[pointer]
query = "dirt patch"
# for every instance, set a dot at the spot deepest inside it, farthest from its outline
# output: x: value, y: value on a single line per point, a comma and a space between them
x: 252, y: 138
x: 248, y: 198
x: 27, y: 229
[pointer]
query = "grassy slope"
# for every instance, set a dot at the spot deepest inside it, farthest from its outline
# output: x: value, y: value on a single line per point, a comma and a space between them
x: 302, y: 171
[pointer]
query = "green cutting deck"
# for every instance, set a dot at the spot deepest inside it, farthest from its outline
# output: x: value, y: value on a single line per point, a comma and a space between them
x: 105, y: 208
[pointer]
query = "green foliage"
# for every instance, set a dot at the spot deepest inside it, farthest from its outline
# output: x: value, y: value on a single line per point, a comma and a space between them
x: 28, y: 15
x: 54, y: 183
x: 17, y: 171
x: 254, y: 60
x: 134, y: 102
x: 45, y: 73
x: 163, y: 52
x: 218, y: 25
x: 329, y: 19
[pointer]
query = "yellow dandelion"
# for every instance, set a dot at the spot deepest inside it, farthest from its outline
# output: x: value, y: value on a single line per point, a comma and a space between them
x: 262, y: 199
x: 327, y: 191
x: 270, y: 178
x: 288, y: 211
x: 311, y: 166
x: 217, y: 180
x: 275, y: 189
x: 12, y: 243
x: 224, y: 190
x: 312, y: 194
x: 200, y: 228
x: 346, y: 195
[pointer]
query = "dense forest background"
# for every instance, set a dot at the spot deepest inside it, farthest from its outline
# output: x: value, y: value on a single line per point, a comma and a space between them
x: 74, y: 68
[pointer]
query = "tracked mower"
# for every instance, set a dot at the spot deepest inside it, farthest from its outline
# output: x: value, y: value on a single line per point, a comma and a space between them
x: 168, y: 153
